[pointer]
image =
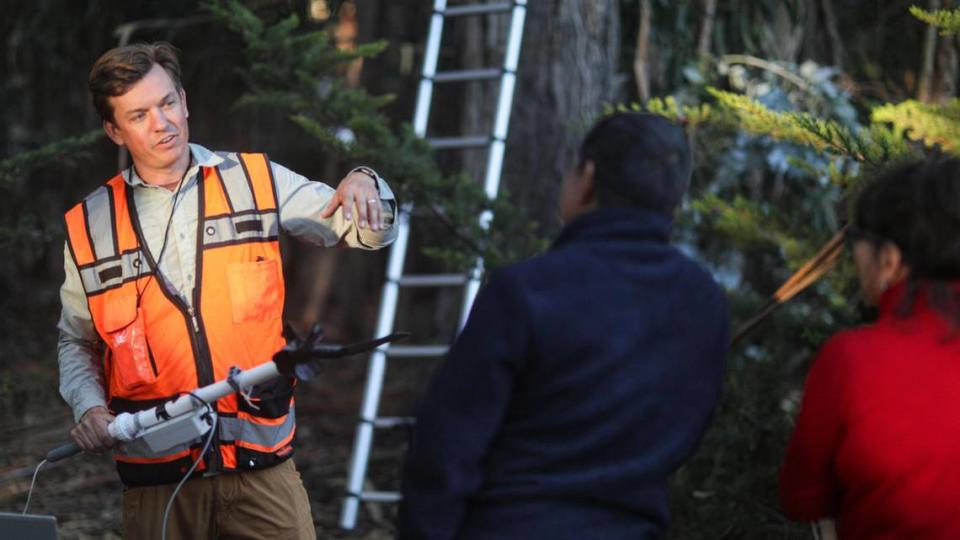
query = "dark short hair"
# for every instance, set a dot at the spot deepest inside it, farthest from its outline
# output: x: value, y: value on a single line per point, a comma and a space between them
x: 640, y: 160
x: 916, y: 206
x: 120, y: 68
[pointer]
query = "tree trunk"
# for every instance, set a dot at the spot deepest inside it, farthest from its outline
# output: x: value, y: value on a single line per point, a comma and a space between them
x: 706, y: 28
x: 947, y: 66
x: 925, y: 83
x: 641, y: 59
x: 567, y: 73
x: 836, y: 42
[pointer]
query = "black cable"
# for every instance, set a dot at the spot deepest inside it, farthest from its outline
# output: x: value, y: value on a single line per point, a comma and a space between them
x: 186, y: 476
x: 166, y: 236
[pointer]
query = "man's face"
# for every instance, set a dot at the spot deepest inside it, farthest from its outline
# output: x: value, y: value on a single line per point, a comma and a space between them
x: 150, y: 119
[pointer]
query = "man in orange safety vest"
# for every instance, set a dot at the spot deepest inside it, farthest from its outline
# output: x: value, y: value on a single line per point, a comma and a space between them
x: 173, y: 276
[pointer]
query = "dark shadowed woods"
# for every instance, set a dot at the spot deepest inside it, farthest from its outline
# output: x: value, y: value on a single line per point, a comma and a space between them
x: 836, y: 59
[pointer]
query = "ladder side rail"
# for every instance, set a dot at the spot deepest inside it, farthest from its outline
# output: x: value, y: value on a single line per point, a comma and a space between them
x: 508, y: 81
x: 376, y: 369
x: 478, y: 9
x: 430, y: 57
x: 363, y: 440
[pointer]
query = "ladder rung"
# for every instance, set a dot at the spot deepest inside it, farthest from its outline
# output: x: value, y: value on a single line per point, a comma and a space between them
x: 412, y: 351
x: 387, y: 422
x: 380, y: 496
x: 433, y: 280
x: 493, y: 145
x: 477, y: 9
x: 468, y: 75
x: 469, y: 141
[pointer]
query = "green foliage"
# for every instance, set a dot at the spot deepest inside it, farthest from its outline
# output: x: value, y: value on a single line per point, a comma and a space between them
x: 298, y: 72
x: 12, y: 169
x: 755, y: 118
x: 780, y: 152
x: 669, y: 107
x: 947, y: 20
x: 874, y: 145
x: 746, y: 223
x: 931, y: 124
x: 778, y: 160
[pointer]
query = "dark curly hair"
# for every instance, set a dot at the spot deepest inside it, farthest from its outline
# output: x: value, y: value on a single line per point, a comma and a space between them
x: 916, y: 206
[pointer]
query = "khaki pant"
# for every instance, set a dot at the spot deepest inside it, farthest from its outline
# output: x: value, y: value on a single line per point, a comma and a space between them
x: 268, y: 503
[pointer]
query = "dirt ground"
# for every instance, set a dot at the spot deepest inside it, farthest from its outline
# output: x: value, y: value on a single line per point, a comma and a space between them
x: 84, y: 492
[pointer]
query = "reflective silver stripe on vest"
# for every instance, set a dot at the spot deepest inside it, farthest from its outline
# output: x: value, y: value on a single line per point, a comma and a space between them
x: 236, y: 184
x: 112, y: 272
x: 99, y: 224
x: 238, y: 228
x: 236, y: 429
x: 231, y: 429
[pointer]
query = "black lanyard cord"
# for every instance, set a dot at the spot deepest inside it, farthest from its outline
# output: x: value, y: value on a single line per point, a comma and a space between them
x: 166, y: 236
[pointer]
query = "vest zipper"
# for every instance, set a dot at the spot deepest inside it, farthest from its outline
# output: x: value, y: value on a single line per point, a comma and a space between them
x: 203, y: 362
x: 193, y: 319
x: 204, y: 365
x: 203, y: 357
x: 200, y: 351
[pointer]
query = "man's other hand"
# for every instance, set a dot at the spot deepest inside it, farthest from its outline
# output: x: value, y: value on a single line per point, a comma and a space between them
x: 91, y: 433
x: 361, y: 190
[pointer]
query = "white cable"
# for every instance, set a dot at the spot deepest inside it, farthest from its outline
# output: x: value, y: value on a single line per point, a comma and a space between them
x: 32, y: 483
x: 166, y: 511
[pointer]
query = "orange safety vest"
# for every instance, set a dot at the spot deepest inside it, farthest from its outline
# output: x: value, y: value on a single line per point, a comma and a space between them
x: 162, y: 347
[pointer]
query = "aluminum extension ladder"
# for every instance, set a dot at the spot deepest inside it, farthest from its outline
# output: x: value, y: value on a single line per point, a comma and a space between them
x: 395, y: 278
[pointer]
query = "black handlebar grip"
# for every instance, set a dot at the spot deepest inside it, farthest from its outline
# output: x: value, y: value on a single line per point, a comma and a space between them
x: 63, y: 452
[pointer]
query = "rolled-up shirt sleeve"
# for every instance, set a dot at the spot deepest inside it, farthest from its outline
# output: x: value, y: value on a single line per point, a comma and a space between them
x: 301, y: 202
x: 79, y: 348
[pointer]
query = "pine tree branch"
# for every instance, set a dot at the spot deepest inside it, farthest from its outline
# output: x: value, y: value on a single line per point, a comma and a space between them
x: 933, y: 125
x: 12, y: 169
x: 299, y: 74
x: 947, y: 20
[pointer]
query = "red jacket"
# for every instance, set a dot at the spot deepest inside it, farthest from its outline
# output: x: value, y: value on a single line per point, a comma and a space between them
x: 877, y: 442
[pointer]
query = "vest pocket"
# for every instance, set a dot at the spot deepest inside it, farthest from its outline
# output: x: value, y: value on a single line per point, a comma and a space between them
x: 254, y: 291
x: 127, y: 339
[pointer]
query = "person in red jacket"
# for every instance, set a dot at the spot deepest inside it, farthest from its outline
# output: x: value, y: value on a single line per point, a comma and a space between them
x: 877, y: 442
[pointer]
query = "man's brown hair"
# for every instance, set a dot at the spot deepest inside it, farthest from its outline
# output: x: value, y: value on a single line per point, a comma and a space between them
x: 120, y: 68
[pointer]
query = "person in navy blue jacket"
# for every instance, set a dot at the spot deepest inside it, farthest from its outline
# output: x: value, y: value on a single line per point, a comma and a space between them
x: 583, y: 377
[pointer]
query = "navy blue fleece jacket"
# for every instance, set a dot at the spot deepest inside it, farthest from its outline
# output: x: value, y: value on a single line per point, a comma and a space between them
x: 582, y: 380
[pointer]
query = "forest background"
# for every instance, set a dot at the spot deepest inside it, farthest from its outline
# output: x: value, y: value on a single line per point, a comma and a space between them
x: 769, y: 189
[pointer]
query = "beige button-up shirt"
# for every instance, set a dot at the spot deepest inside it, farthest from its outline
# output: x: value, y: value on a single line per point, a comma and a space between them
x: 175, y: 214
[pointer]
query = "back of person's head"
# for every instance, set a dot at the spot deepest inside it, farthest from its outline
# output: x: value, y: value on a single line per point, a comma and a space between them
x: 640, y: 160
x: 120, y: 68
x: 916, y: 206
